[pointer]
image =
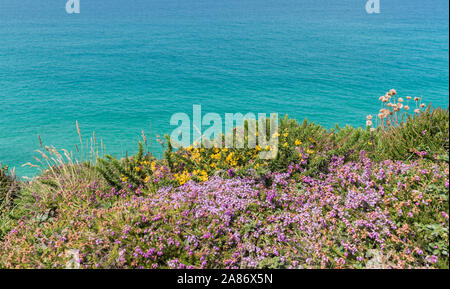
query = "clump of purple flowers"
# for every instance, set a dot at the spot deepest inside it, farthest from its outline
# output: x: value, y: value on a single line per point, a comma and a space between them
x: 358, y: 214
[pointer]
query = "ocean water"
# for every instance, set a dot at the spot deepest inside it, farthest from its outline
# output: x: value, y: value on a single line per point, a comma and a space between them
x: 122, y: 66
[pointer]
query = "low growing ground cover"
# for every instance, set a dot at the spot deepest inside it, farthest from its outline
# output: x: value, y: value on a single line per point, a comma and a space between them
x: 333, y: 198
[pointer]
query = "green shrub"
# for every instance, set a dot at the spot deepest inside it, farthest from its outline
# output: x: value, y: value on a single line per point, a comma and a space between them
x: 311, y: 146
x: 424, y: 134
x: 135, y: 171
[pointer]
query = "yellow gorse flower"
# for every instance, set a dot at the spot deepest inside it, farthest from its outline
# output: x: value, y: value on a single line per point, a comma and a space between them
x: 195, y: 156
x: 215, y: 156
x: 203, y: 177
x: 230, y: 159
x: 183, y: 177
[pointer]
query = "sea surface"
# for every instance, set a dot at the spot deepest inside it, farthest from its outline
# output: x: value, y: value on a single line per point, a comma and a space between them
x: 123, y: 66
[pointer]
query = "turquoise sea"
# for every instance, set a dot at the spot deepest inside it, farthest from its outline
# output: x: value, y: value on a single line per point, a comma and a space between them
x: 121, y: 66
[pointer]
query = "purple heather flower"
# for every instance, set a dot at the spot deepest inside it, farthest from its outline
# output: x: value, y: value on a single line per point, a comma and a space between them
x: 431, y: 259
